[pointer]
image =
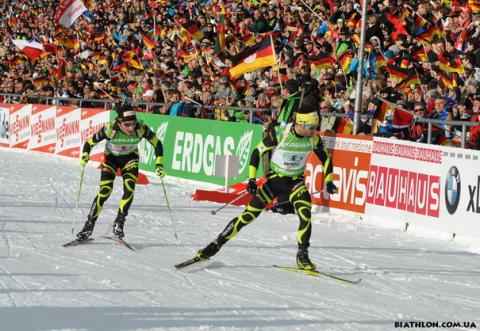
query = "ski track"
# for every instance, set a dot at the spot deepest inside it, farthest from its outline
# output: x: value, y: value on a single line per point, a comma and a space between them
x: 403, y: 277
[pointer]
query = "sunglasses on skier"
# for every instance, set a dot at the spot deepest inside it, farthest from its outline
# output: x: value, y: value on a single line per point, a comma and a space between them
x: 310, y: 126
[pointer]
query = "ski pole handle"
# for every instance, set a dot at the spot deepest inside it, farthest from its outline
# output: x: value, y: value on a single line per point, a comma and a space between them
x: 232, y: 201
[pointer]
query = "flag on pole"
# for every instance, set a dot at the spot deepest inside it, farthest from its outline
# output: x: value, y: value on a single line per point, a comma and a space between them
x: 193, y: 29
x: 220, y: 43
x: 258, y: 56
x: 149, y: 43
x: 69, y: 11
x: 32, y: 49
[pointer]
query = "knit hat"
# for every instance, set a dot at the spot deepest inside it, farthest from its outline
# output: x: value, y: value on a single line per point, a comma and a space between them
x: 126, y: 113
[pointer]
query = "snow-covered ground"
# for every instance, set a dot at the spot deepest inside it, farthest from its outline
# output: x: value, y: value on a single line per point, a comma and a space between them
x: 103, y: 286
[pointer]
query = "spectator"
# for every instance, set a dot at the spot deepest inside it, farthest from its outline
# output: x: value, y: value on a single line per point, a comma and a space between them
x: 328, y: 123
x: 290, y: 102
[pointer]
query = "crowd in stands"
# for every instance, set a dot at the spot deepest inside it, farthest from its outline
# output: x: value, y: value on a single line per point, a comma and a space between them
x: 420, y: 56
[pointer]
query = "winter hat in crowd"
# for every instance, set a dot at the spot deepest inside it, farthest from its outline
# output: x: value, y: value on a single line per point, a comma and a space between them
x: 291, y: 86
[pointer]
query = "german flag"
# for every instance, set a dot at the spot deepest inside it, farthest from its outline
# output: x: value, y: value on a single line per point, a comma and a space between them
x: 100, y: 37
x: 418, y: 52
x: 193, y: 29
x: 321, y: 61
x: 449, y: 79
x: 446, y: 66
x: 101, y: 59
x: 74, y: 42
x: 409, y: 81
x: 248, y: 40
x: 188, y: 55
x: 397, y: 72
x: 258, y: 56
x: 345, y: 60
x: 149, y: 43
x: 420, y: 23
x: 381, y: 111
x: 475, y: 5
x: 429, y: 35
x: 220, y: 43
x: 381, y: 60
x: 40, y: 82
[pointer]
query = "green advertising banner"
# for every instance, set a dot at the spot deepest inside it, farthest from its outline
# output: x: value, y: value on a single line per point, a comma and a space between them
x: 190, y: 146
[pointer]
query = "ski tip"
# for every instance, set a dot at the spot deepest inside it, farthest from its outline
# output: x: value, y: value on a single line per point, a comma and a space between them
x: 318, y: 273
x: 76, y: 242
x: 188, y: 263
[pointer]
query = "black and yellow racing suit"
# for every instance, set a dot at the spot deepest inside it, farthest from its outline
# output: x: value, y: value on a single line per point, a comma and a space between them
x: 121, y: 152
x: 278, y: 184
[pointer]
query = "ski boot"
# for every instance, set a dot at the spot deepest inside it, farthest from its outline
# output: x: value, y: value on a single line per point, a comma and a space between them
x: 118, y: 226
x: 87, y: 229
x: 303, y: 261
x: 209, y: 251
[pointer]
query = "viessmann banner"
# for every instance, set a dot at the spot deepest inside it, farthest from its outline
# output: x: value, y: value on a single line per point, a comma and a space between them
x: 60, y: 130
x: 190, y: 146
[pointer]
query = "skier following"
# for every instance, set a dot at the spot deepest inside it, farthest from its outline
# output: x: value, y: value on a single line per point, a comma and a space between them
x: 290, y: 147
x: 121, y: 152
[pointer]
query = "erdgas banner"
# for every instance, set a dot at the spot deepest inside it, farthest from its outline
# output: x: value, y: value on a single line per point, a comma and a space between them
x: 190, y: 146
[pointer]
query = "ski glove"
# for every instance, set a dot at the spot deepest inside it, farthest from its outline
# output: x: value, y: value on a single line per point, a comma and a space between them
x: 160, y: 171
x: 252, y: 186
x: 331, y: 188
x: 84, y: 159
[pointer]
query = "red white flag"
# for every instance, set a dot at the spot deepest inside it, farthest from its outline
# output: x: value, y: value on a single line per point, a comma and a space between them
x: 32, y: 49
x: 69, y: 11
x: 402, y: 118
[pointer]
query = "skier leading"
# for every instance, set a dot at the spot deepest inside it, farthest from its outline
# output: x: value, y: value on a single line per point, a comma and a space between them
x: 290, y: 147
x: 121, y: 152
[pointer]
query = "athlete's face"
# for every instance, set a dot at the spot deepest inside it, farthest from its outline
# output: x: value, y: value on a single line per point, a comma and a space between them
x: 127, y: 127
x: 305, y: 130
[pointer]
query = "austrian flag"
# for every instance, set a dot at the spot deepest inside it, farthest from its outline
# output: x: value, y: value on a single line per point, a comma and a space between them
x: 32, y: 49
x: 69, y: 11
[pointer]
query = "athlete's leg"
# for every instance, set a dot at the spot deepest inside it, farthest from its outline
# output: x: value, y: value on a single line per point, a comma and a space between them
x: 254, y: 208
x: 301, y: 201
x: 129, y: 175
x: 107, y: 177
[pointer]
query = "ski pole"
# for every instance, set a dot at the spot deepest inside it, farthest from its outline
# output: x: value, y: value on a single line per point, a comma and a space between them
x: 169, y: 210
x: 79, y: 190
x: 316, y: 192
x: 232, y: 201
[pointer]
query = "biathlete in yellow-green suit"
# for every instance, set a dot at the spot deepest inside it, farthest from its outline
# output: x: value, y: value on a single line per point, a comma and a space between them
x: 121, y: 152
x: 289, y: 147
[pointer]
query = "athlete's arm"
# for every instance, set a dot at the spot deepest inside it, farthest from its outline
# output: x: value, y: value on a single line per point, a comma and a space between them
x: 152, y: 138
x: 267, y: 144
x: 95, y: 139
x: 322, y: 153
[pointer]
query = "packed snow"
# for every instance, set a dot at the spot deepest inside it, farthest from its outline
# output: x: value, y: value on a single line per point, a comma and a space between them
x: 104, y: 286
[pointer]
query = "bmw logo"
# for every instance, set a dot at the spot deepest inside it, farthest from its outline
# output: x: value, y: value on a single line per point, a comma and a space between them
x: 452, y: 190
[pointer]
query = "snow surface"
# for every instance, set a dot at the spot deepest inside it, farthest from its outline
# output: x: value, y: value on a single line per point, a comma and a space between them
x: 103, y: 286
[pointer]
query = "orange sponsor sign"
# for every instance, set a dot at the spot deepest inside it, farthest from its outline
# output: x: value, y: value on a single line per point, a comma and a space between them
x: 351, y: 162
